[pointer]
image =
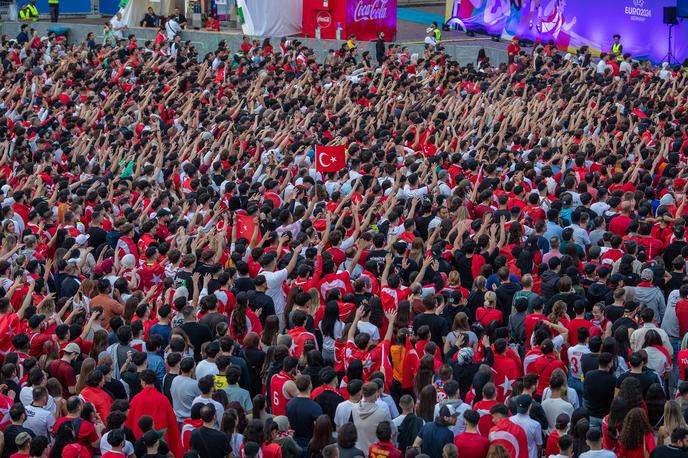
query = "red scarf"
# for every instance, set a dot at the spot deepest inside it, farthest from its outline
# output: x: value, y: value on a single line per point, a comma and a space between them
x: 664, y: 351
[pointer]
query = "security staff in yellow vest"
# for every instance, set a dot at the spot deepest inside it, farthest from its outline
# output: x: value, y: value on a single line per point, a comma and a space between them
x: 33, y: 10
x: 24, y: 13
x: 54, y: 10
x: 617, y: 48
x: 437, y: 33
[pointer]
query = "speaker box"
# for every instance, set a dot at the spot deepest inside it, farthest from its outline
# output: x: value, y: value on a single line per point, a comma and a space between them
x: 670, y: 15
x: 682, y: 8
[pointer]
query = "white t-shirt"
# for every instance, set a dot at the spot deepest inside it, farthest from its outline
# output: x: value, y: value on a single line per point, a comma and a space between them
x: 128, y: 448
x: 575, y: 357
x: 40, y: 420
x: 370, y: 329
x: 553, y: 407
x: 219, y: 409
x: 598, y: 454
x: 343, y: 413
x: 274, y: 281
x: 26, y: 398
x: 206, y: 368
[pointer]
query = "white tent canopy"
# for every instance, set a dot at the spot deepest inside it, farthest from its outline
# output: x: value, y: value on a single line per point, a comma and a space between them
x: 133, y: 13
x: 268, y: 18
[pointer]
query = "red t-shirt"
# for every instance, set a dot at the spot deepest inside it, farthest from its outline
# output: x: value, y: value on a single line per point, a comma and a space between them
x: 65, y: 374
x: 383, y: 450
x: 529, y: 323
x: 573, y: 328
x: 682, y: 359
x: 619, y: 225
x: 543, y: 367
x: 487, y: 316
x: 682, y: 315
x: 87, y: 432
x: 471, y: 445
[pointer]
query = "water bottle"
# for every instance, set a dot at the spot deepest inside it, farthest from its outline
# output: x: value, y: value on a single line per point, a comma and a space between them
x: 317, y: 32
x: 326, y: 4
x: 339, y: 31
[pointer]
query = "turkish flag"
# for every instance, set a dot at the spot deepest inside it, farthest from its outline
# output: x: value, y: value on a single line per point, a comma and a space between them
x: 151, y: 274
x: 330, y: 158
x: 505, y: 374
x: 5, y: 404
x: 510, y: 436
x: 245, y: 227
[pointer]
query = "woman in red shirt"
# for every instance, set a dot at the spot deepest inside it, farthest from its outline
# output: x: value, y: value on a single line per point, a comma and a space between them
x: 489, y: 313
x: 636, y: 439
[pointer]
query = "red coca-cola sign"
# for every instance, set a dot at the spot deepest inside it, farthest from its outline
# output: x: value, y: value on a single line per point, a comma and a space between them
x: 366, y: 18
x: 323, y: 19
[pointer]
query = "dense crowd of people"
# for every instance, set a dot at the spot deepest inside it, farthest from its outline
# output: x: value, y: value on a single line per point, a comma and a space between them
x: 499, y: 270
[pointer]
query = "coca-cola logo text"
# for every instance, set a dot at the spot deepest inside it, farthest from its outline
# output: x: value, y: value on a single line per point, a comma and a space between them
x: 323, y: 19
x: 370, y: 10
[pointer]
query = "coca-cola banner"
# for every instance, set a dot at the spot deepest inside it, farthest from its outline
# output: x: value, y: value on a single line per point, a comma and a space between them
x: 366, y: 18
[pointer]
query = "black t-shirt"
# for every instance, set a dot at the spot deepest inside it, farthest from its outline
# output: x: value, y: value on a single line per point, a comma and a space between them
x: 328, y: 401
x: 613, y: 312
x: 260, y: 300
x: 167, y: 385
x: 140, y: 449
x: 668, y: 451
x: 96, y: 236
x: 598, y: 392
x: 624, y: 321
x: 244, y: 284
x: 302, y: 413
x: 11, y: 433
x: 184, y: 278
x: 198, y: 335
x: 438, y: 326
x: 132, y: 379
x: 210, y: 443
x: 378, y: 257
x: 644, y: 378
x: 590, y: 362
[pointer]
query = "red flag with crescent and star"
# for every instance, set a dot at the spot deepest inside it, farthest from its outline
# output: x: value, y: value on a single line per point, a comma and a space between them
x: 330, y: 158
x: 246, y: 226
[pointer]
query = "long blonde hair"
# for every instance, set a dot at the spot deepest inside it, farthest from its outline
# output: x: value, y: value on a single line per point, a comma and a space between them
x: 86, y: 367
x: 497, y: 451
x: 490, y: 300
x: 672, y: 417
x: 558, y: 312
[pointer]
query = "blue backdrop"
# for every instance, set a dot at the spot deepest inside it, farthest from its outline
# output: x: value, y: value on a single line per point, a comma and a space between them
x: 66, y: 6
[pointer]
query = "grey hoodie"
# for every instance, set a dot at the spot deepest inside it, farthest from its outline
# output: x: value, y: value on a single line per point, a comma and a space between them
x: 651, y: 297
x: 367, y: 415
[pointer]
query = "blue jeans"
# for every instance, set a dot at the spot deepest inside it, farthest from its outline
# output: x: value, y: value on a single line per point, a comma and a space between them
x: 577, y: 384
x: 676, y: 346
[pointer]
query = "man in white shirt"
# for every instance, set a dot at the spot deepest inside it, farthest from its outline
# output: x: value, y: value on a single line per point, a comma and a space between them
x: 37, y: 380
x: 275, y: 279
x: 602, y: 64
x: 575, y: 354
x: 118, y: 25
x: 343, y: 413
x: 207, y: 386
x: 39, y: 419
x: 531, y: 427
x: 172, y: 28
x: 594, y: 440
x: 184, y: 389
x: 208, y: 366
